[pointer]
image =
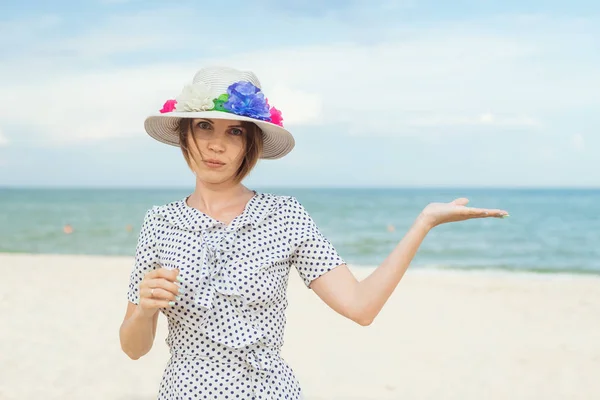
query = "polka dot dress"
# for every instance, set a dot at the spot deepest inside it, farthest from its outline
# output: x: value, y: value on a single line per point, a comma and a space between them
x: 226, y: 332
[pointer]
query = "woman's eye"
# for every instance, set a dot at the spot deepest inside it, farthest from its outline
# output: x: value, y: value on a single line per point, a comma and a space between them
x: 203, y: 125
x: 236, y: 131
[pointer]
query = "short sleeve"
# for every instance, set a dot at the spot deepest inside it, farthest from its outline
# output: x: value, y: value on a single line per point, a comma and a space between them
x: 312, y: 253
x: 146, y: 258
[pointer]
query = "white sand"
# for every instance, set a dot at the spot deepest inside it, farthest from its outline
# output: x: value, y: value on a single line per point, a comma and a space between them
x: 442, y: 335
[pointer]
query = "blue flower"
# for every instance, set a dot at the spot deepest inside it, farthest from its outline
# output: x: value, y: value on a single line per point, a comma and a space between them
x: 246, y: 99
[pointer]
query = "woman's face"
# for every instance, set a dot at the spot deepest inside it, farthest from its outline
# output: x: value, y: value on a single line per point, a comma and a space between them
x: 220, y: 148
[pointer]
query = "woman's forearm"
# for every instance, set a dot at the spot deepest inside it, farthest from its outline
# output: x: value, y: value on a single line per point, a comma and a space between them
x: 137, y: 334
x: 373, y: 291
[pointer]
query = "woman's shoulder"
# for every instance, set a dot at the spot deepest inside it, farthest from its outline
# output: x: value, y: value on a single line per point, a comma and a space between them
x: 272, y: 198
x: 277, y: 203
x: 165, y: 210
x: 157, y: 213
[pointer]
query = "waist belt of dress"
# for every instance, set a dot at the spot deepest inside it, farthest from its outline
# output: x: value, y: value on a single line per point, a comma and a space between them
x: 261, y: 359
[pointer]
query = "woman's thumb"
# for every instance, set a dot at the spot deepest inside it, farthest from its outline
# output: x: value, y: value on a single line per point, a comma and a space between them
x: 461, y: 201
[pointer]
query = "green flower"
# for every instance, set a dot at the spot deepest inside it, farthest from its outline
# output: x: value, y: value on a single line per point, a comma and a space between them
x: 219, y: 101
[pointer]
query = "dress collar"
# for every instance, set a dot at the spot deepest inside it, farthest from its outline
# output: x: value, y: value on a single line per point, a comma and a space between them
x: 182, y: 216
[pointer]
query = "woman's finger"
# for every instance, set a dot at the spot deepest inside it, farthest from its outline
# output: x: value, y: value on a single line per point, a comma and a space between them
x: 462, y: 201
x: 158, y: 294
x: 486, y: 213
x: 163, y: 273
x: 149, y: 303
x: 165, y: 285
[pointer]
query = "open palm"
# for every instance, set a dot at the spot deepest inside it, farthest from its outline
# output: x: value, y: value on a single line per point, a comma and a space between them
x: 440, y: 213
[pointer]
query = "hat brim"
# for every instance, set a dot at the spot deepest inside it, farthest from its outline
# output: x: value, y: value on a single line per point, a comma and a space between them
x: 277, y: 141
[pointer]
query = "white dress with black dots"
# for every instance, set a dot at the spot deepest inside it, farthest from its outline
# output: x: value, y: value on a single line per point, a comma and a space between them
x: 226, y: 332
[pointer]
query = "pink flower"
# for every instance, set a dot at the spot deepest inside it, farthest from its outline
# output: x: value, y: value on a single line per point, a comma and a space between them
x: 168, y: 106
x: 276, y: 117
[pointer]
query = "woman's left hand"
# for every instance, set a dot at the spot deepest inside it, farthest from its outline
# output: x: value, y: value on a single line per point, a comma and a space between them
x: 441, y: 213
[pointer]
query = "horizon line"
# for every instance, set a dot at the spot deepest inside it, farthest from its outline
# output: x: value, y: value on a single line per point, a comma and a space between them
x: 411, y: 187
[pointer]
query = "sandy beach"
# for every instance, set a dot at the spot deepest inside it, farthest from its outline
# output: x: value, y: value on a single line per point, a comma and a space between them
x: 442, y: 335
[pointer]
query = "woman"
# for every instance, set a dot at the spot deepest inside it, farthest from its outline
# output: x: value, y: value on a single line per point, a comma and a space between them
x: 217, y: 262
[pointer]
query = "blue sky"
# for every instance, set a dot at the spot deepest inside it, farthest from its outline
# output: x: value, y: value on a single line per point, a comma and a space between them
x: 376, y: 93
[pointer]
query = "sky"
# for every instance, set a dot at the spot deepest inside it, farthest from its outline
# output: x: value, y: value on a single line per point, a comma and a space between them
x: 377, y: 93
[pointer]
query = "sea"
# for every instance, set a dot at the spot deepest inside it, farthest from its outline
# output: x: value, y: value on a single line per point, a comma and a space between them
x: 548, y: 231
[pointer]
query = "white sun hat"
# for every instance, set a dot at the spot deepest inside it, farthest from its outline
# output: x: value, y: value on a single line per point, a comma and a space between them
x: 223, y: 93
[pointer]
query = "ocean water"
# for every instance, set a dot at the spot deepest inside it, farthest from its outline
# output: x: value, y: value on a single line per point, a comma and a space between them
x: 549, y: 230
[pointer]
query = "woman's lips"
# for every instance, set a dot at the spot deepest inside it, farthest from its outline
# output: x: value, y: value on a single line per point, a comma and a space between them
x: 213, y: 164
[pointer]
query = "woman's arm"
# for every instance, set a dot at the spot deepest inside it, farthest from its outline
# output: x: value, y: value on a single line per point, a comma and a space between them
x: 362, y: 301
x: 137, y: 331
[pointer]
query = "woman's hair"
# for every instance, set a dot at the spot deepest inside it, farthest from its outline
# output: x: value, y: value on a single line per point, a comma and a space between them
x: 253, y: 145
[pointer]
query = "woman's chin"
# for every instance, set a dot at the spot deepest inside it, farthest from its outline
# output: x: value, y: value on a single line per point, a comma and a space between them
x: 213, y: 177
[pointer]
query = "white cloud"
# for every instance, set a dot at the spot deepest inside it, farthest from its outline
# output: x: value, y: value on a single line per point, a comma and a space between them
x: 578, y: 142
x: 92, y: 105
x: 431, y: 78
x: 115, y: 103
x: 545, y: 154
x: 3, y: 139
x: 102, y: 44
x: 481, y: 119
x: 300, y: 107
x: 31, y: 24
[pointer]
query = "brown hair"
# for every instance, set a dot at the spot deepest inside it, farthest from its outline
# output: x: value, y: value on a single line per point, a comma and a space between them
x: 253, y: 146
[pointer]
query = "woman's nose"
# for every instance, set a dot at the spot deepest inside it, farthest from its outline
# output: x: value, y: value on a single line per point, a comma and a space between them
x: 216, y: 145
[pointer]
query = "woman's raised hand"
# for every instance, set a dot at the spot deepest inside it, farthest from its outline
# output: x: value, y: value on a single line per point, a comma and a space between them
x: 159, y: 289
x: 440, y: 213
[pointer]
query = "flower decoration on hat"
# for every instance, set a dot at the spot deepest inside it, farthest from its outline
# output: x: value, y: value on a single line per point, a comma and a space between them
x: 169, y: 106
x: 246, y: 99
x: 195, y: 97
x: 276, y: 117
x: 242, y: 98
